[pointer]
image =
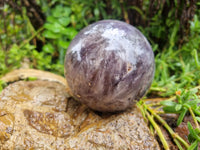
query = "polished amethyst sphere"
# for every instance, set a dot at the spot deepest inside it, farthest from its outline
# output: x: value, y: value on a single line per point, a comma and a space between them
x: 109, y: 65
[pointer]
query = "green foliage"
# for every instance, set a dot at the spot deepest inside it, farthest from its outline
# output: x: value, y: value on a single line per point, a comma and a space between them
x: 58, y: 31
x: 3, y: 68
x: 14, y: 27
x: 40, y: 60
x: 193, y: 137
x: 16, y: 35
x: 179, y: 67
x: 2, y: 85
x: 12, y: 30
x: 96, y: 10
x: 185, y: 100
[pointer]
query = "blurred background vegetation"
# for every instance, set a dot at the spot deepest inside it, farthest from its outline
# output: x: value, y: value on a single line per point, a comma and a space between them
x: 36, y: 34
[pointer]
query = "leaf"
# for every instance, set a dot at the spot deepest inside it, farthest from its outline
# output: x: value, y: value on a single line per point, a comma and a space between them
x: 186, y: 105
x: 197, y: 130
x: 96, y: 12
x: 70, y: 32
x: 193, y: 134
x: 190, y: 128
x: 54, y: 27
x: 51, y: 19
x: 142, y: 14
x: 57, y: 11
x: 2, y: 85
x: 178, y: 97
x: 50, y: 35
x: 181, y: 116
x: 67, y: 11
x: 193, y: 91
x: 193, y: 103
x: 61, y: 11
x: 193, y: 146
x: 196, y: 111
x: 48, y: 26
x: 63, y: 44
x: 48, y: 48
x: 198, y: 119
x: 31, y: 79
x: 168, y: 103
x: 178, y: 107
x: 64, y: 21
x: 185, y: 96
x: 190, y: 138
x: 170, y: 109
x: 62, y: 55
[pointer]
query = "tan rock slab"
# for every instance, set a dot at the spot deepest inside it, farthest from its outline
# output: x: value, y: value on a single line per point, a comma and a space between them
x: 40, y: 115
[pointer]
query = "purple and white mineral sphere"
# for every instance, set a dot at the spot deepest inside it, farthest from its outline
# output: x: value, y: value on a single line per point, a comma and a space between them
x: 109, y: 66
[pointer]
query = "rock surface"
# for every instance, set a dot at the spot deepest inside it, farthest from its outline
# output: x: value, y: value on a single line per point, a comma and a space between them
x: 40, y: 115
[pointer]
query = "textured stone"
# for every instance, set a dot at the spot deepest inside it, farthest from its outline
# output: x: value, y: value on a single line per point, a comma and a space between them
x: 40, y: 115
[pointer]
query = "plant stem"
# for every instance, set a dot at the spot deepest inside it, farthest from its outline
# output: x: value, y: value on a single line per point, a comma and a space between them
x: 171, y: 98
x: 29, y: 39
x: 142, y: 111
x: 173, y: 134
x: 194, y: 118
x: 178, y: 144
x: 159, y: 132
x: 154, y: 104
x: 197, y: 87
x: 159, y: 89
